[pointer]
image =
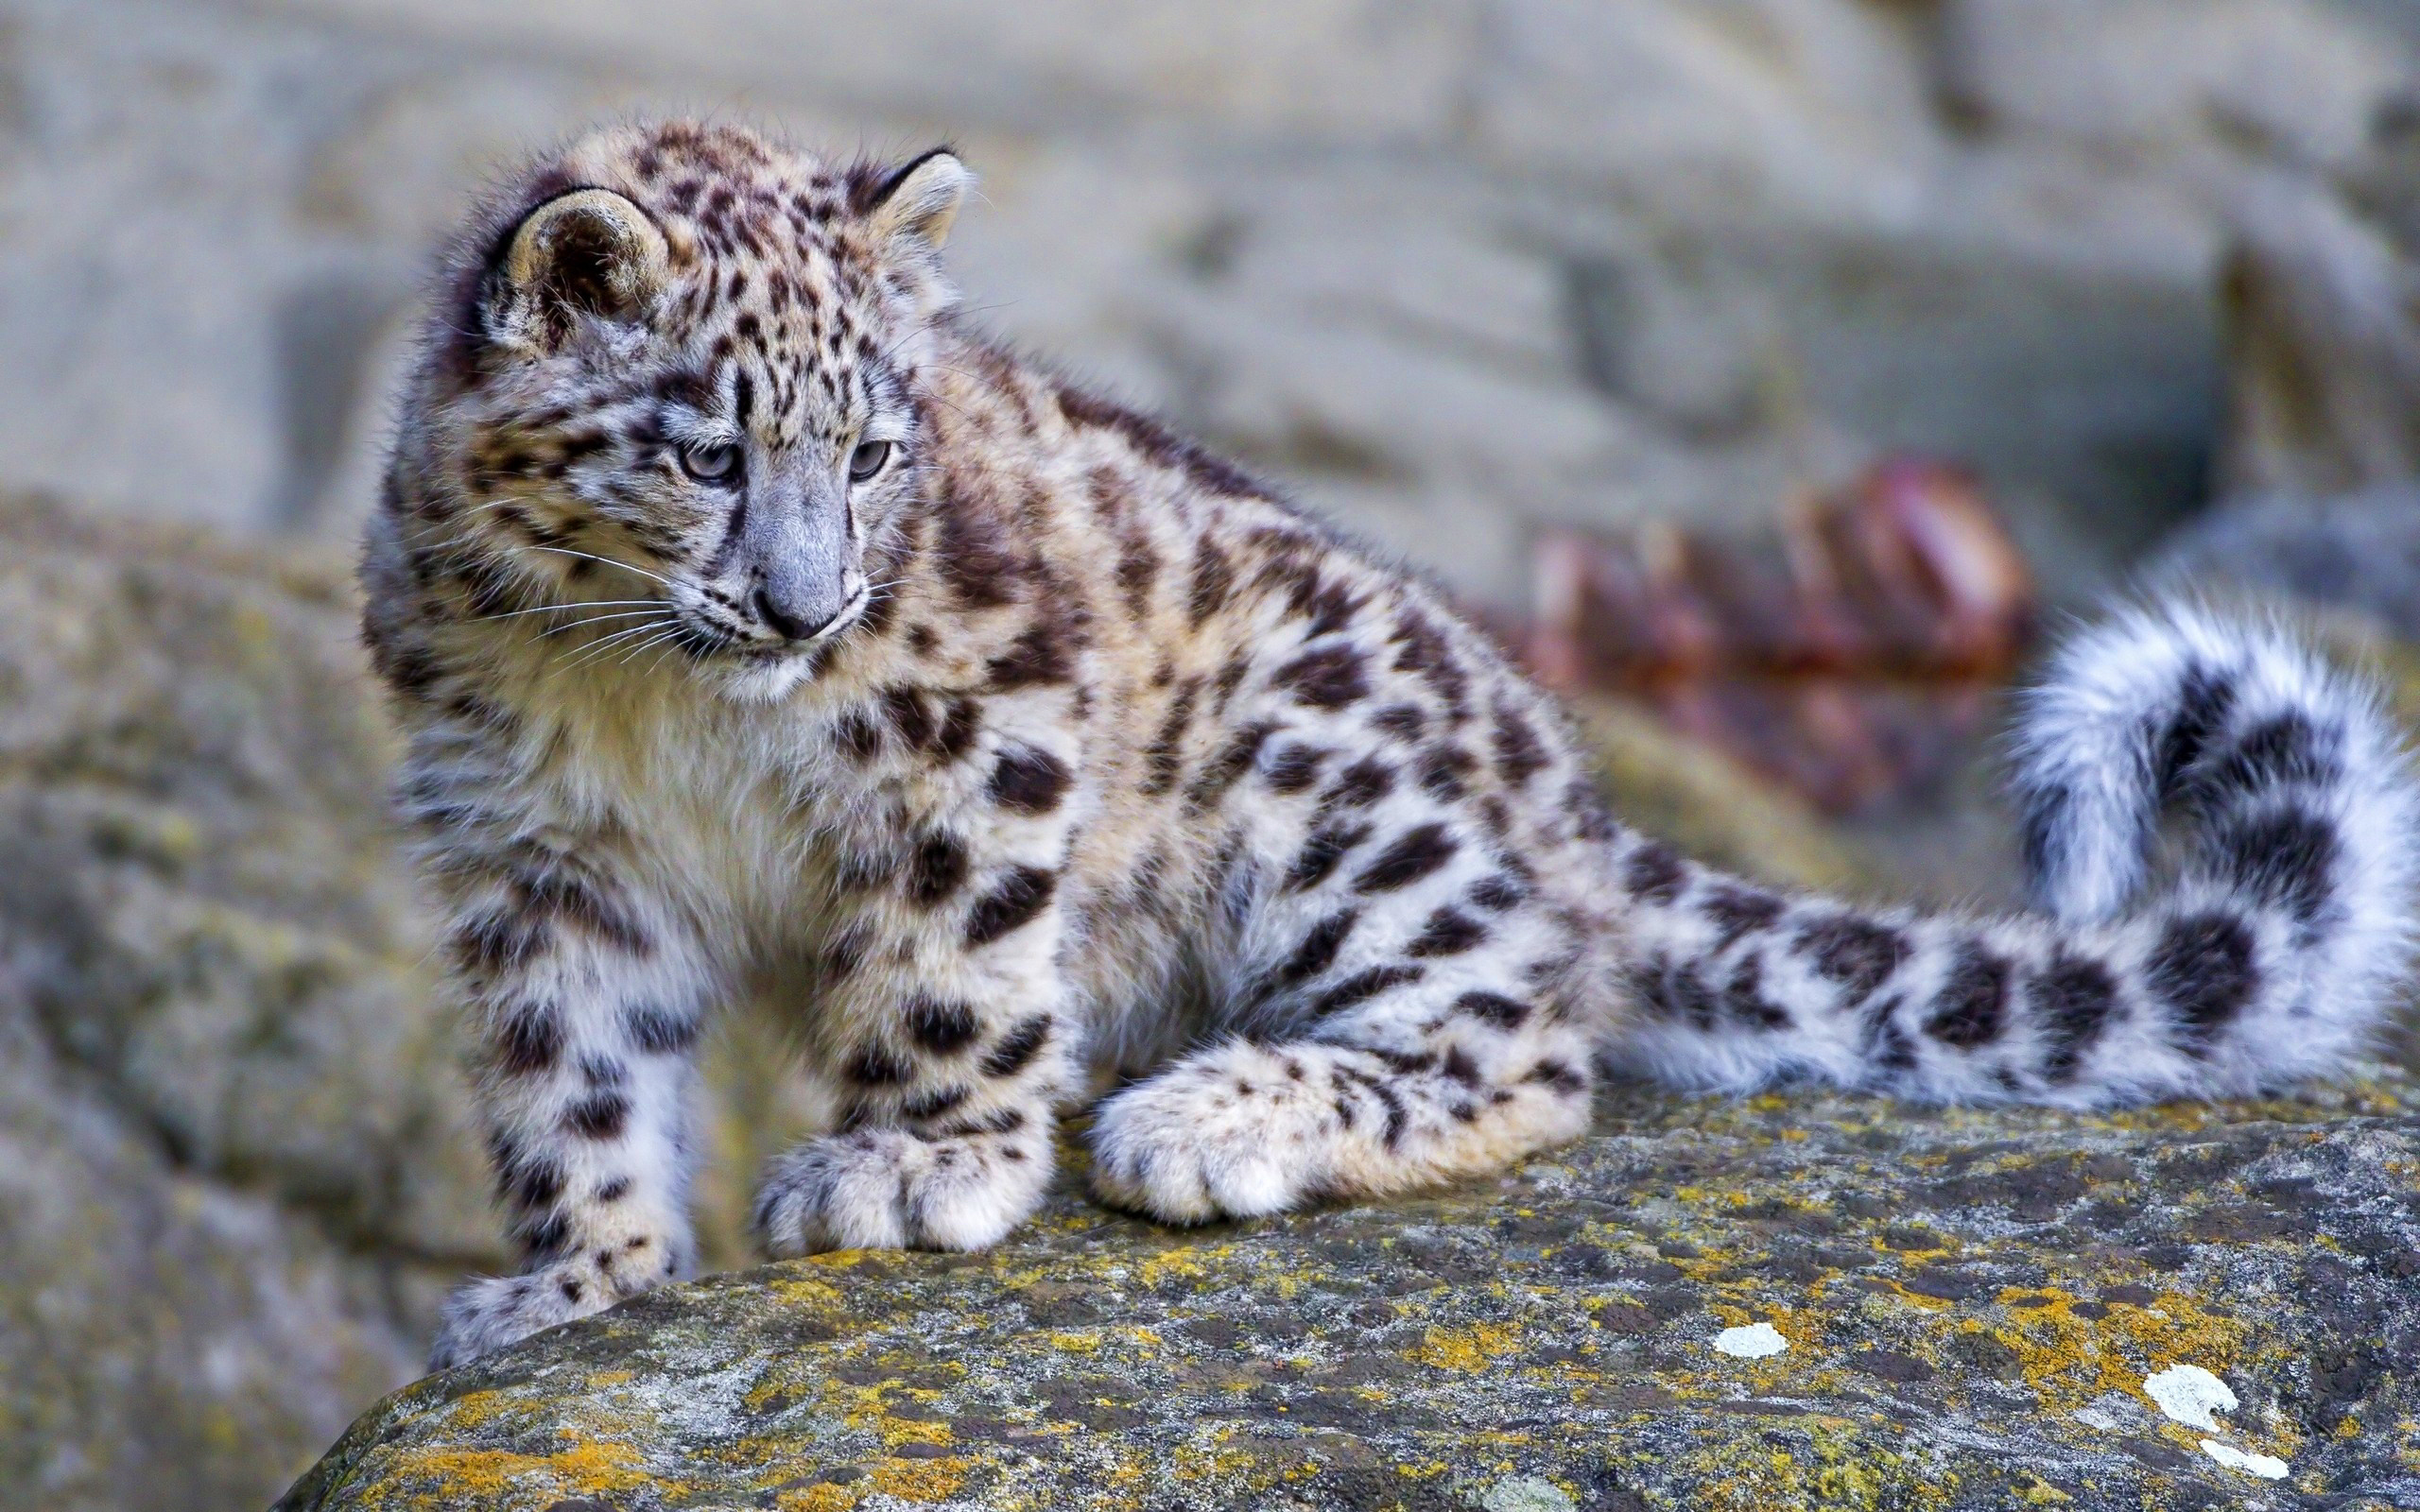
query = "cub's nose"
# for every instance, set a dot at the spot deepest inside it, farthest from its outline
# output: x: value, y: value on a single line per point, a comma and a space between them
x: 791, y: 621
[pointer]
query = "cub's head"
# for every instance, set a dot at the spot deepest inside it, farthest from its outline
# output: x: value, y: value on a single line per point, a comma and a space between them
x: 673, y: 378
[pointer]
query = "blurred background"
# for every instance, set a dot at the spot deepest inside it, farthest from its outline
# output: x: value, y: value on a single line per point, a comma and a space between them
x: 1770, y: 372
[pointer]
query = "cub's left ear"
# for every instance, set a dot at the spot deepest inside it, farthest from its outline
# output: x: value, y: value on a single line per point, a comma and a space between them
x: 917, y: 203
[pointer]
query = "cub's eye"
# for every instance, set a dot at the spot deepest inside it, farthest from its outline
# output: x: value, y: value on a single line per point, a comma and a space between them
x: 869, y: 460
x: 716, y: 462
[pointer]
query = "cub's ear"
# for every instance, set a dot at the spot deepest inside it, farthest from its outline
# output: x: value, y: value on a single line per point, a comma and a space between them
x: 589, y: 252
x: 914, y: 204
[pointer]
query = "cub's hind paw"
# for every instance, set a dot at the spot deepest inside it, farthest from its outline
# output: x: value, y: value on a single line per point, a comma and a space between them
x: 1235, y: 1132
x: 889, y: 1189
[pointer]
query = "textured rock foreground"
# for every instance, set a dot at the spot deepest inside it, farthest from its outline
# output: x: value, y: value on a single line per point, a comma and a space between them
x: 1971, y: 1304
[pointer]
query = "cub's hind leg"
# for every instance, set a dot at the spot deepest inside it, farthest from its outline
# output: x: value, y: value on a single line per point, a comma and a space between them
x: 1443, y: 1049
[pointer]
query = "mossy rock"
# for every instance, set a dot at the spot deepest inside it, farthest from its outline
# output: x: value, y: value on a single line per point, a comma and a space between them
x: 1971, y: 1302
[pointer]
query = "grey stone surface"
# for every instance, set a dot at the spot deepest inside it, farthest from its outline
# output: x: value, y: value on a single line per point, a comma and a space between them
x: 1968, y: 1306
x: 2357, y: 553
x: 2323, y: 303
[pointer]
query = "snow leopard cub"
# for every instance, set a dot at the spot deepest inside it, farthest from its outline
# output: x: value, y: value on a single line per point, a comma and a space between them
x: 758, y: 626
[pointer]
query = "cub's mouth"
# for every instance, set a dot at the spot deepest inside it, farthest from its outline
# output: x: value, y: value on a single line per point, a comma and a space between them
x: 705, y: 642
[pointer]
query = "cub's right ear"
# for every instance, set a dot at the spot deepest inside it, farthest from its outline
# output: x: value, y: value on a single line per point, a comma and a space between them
x: 589, y: 252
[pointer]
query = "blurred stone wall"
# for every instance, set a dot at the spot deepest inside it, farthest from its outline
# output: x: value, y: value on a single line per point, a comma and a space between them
x: 1451, y: 267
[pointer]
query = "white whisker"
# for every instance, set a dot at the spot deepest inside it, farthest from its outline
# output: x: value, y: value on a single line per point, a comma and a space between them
x: 558, y: 609
x: 600, y: 619
x: 597, y: 647
x: 586, y: 556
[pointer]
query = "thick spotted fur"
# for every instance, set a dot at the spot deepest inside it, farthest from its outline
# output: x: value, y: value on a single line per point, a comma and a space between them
x: 760, y: 630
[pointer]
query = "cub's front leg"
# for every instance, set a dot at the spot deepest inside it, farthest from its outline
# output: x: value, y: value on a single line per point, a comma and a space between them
x: 947, y: 1027
x: 586, y: 995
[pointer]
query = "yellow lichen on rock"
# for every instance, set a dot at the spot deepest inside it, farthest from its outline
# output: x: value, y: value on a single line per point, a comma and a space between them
x: 1473, y: 1347
x: 1954, y: 1290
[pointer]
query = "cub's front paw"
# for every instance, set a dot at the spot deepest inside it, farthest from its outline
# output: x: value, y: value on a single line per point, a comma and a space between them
x: 485, y: 1316
x: 888, y: 1189
x: 1233, y: 1132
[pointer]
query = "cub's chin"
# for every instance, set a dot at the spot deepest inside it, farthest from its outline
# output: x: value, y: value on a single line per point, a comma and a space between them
x: 756, y: 680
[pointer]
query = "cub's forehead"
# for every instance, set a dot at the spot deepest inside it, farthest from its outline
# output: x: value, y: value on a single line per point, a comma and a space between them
x: 724, y: 195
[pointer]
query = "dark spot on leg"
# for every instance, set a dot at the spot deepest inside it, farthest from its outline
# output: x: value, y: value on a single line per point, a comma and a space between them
x: 1018, y: 1047
x: 529, y: 1039
x: 1027, y: 781
x: 599, y: 1116
x: 529, y: 1182
x: 1362, y: 987
x: 542, y: 1238
x: 496, y: 943
x: 962, y: 720
x: 933, y: 1104
x: 1017, y: 901
x: 937, y: 869
x: 1318, y: 951
x: 1590, y: 819
x: 938, y: 1026
x: 656, y: 1030
x: 875, y: 1065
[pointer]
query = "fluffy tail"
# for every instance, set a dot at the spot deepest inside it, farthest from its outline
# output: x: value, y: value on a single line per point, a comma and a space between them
x: 2275, y: 786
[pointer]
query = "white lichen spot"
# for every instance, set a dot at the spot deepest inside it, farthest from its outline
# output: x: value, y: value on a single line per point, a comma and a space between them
x: 1753, y: 1342
x: 2097, y: 1418
x: 2189, y: 1394
x: 1526, y: 1493
x: 2268, y: 1467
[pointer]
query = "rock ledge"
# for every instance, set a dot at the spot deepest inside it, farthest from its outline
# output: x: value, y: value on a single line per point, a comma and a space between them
x: 1971, y: 1303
